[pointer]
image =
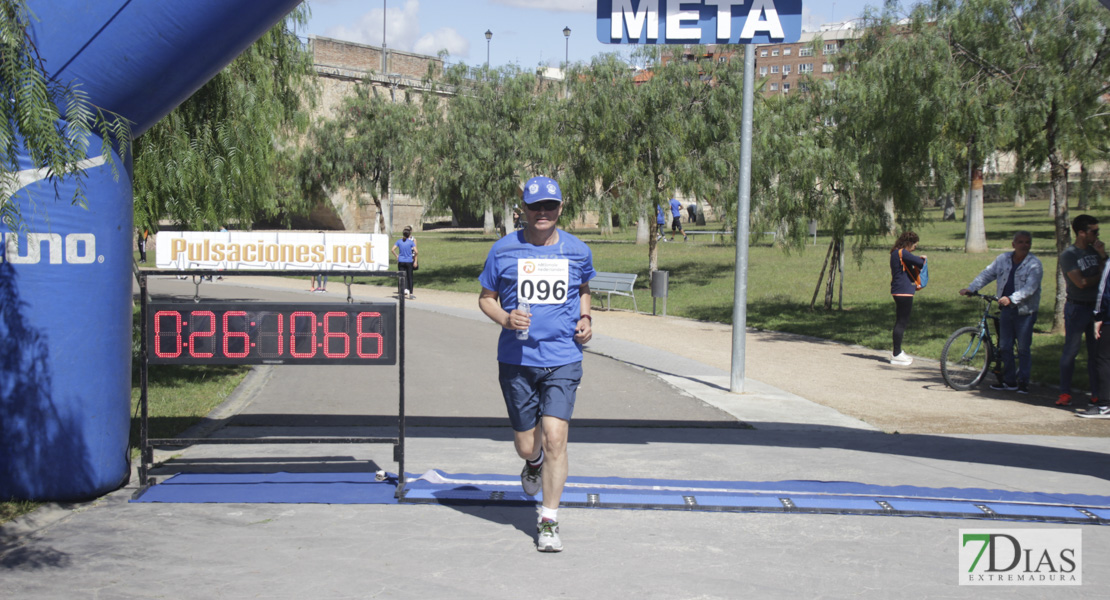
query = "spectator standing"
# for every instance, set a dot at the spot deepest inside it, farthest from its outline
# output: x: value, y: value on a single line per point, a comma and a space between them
x: 692, y: 211
x: 142, y: 247
x: 1081, y: 264
x: 1019, y: 275
x: 539, y: 352
x: 902, y: 289
x: 1102, y: 360
x: 660, y: 222
x: 405, y: 251
x: 676, y: 219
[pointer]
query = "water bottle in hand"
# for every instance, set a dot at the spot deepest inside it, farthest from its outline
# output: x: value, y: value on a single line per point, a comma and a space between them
x: 522, y: 334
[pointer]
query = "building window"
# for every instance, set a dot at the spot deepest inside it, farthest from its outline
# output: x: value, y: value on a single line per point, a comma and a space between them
x: 805, y: 68
x: 774, y: 87
x: 774, y: 68
x: 831, y: 48
x: 786, y: 51
x: 763, y: 53
x: 805, y: 51
x: 827, y: 68
x: 722, y: 59
x: 763, y: 71
x: 786, y: 69
x: 785, y: 87
x: 775, y: 52
x: 803, y: 86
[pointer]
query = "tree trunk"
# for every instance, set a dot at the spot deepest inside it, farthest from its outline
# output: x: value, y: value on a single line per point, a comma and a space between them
x: 1019, y: 198
x: 606, y: 219
x: 821, y: 277
x: 488, y: 226
x: 949, y: 208
x: 975, y: 237
x: 1059, y: 178
x: 1084, y: 187
x: 891, y: 218
x: 506, y: 218
x: 701, y: 212
x: 643, y: 229
x: 834, y: 263
x: 653, y: 246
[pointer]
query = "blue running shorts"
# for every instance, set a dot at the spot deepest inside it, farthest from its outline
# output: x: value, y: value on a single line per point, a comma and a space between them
x: 533, y: 392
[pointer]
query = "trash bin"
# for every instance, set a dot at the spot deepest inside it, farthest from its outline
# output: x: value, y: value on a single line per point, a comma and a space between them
x: 659, y: 289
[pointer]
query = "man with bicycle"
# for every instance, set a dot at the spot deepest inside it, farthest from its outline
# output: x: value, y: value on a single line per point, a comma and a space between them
x: 1018, y: 274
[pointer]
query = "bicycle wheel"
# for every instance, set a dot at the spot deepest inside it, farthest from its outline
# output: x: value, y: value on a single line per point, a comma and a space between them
x: 965, y: 358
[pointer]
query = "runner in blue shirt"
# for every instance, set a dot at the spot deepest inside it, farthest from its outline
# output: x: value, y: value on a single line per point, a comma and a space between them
x: 405, y: 251
x: 676, y: 219
x: 550, y: 270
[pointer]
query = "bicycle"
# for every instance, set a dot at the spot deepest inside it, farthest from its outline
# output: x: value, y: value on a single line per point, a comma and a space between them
x: 971, y: 350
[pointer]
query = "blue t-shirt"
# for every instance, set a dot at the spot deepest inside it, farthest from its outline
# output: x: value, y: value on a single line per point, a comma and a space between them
x: 676, y: 208
x: 660, y: 218
x: 550, y: 340
x: 404, y: 249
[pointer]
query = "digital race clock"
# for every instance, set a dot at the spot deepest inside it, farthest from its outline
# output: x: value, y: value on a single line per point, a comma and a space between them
x: 265, y: 333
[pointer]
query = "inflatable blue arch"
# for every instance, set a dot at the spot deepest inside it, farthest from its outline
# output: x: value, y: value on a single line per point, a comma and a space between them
x: 65, y: 282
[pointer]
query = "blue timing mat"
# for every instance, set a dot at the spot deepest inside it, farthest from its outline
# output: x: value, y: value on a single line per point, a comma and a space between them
x: 814, y: 497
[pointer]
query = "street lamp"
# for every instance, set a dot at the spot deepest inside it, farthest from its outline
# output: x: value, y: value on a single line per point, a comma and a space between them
x: 566, y: 34
x: 489, y: 34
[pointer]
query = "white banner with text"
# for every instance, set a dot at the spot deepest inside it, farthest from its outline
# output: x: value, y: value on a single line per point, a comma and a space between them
x: 273, y: 250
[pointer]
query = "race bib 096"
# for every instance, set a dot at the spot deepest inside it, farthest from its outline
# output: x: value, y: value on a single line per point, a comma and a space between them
x: 542, y: 280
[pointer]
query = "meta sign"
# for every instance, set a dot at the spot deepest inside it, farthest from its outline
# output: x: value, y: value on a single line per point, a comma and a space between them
x: 699, y: 21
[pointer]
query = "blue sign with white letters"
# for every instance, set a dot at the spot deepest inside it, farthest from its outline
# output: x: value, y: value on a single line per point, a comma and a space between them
x: 699, y: 21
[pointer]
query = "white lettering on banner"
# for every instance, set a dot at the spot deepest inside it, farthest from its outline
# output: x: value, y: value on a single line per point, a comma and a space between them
x: 698, y: 21
x: 273, y: 250
x: 724, y: 16
x: 675, y: 16
x: 771, y: 24
x: 542, y: 280
x: 74, y: 244
x: 649, y: 14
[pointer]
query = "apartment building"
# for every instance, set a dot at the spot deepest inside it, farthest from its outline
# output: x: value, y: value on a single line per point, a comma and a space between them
x: 780, y: 68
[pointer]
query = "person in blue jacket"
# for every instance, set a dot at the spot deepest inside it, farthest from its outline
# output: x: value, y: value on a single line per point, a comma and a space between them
x: 1019, y: 276
x: 660, y: 222
x: 902, y: 288
x: 539, y: 352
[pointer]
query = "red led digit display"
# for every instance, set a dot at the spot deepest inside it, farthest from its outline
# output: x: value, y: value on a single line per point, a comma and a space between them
x: 268, y: 333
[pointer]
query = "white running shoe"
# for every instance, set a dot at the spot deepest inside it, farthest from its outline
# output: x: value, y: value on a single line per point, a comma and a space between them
x: 902, y: 359
x: 530, y: 479
x: 547, y: 537
x: 1095, y: 412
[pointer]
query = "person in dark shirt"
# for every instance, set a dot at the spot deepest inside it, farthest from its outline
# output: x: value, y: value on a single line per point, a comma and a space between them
x: 902, y: 288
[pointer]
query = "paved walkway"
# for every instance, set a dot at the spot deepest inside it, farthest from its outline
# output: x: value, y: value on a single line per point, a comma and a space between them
x: 654, y: 404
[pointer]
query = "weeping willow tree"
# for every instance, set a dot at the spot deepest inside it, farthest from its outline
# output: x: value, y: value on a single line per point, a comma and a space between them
x: 47, y: 120
x: 227, y: 154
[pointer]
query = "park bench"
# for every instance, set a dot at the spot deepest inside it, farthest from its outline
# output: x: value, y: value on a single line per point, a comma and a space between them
x: 713, y: 234
x: 614, y: 283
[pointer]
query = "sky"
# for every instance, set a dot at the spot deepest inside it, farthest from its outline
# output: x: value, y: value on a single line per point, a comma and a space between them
x: 527, y: 33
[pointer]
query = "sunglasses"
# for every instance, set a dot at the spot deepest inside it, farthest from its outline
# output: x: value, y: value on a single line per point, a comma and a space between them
x: 546, y: 205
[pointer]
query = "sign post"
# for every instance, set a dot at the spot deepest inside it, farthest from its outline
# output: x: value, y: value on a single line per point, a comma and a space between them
x: 747, y: 22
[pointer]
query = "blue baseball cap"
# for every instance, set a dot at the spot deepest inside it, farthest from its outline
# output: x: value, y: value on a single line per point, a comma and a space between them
x: 539, y: 189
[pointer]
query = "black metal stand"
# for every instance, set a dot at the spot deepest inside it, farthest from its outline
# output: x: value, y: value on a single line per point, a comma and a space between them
x: 147, y: 444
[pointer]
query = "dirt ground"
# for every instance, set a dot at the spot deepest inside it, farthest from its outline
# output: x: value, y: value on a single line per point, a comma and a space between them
x: 853, y: 380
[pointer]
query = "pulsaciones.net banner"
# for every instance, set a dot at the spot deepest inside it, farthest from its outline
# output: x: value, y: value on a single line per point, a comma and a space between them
x: 273, y: 250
